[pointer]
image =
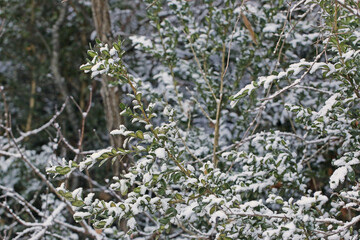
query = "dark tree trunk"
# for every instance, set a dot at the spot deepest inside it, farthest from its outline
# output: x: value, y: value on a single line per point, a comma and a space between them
x: 110, y: 94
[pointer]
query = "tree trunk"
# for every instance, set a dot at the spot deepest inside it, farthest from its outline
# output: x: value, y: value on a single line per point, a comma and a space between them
x: 55, y: 67
x: 110, y: 94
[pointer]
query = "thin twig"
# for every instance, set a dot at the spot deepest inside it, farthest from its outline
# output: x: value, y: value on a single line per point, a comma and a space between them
x: 24, y: 135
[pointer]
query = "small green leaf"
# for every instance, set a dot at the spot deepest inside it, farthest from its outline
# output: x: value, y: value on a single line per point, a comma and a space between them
x: 138, y: 97
x: 161, y: 191
x: 122, y: 106
x: 85, y: 67
x: 62, y: 170
x: 91, y: 53
x: 178, y: 196
x: 74, y: 164
x: 140, y: 134
x: 202, y: 190
x: 212, y: 210
x: 100, y: 224
x: 78, y: 219
x: 117, y: 47
x: 123, y: 78
x: 102, y: 162
x: 164, y: 221
x: 68, y: 196
x: 77, y: 203
x: 137, y: 190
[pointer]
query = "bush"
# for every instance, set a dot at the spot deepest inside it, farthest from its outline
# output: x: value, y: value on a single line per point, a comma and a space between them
x: 244, y: 125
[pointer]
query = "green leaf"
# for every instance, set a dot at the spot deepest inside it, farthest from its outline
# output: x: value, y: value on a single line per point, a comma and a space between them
x: 123, y: 78
x: 164, y: 221
x: 351, y: 175
x: 91, y: 53
x: 177, y: 176
x: 62, y: 170
x: 85, y: 67
x: 138, y: 97
x: 102, y: 162
x: 178, y: 196
x: 117, y: 47
x: 78, y: 219
x: 68, y: 196
x: 137, y: 190
x: 212, y: 210
x: 122, y: 106
x: 74, y: 164
x: 171, y: 212
x: 202, y: 190
x: 113, y: 151
x: 77, y: 203
x: 100, y: 224
x: 140, y: 134
x: 161, y: 191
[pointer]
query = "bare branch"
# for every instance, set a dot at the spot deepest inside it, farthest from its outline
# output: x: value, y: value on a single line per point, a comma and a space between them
x: 24, y: 135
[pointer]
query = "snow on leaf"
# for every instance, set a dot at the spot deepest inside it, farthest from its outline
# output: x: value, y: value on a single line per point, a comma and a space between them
x: 91, y: 160
x: 338, y: 177
x: 142, y: 40
x: 218, y: 216
x: 328, y: 105
x: 160, y: 153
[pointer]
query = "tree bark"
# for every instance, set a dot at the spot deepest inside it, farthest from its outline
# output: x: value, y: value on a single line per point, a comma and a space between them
x: 110, y: 94
x: 55, y: 67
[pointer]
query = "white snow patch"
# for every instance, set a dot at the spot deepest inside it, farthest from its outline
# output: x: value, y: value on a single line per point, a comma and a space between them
x: 338, y: 177
x: 160, y: 153
x: 218, y: 216
x: 271, y: 27
x: 328, y: 105
x: 142, y: 40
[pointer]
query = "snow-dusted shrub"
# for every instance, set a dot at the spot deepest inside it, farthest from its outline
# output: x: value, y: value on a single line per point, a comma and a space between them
x: 248, y: 128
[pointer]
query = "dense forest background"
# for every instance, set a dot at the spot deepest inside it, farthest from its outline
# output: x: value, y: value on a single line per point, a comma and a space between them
x: 179, y: 119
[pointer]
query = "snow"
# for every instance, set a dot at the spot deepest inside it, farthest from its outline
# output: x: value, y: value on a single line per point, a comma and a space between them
x: 91, y: 160
x: 187, y: 211
x: 121, y: 131
x: 160, y: 153
x: 328, y: 105
x: 218, y: 216
x: 271, y: 27
x: 123, y: 186
x: 112, y: 52
x: 48, y: 222
x: 306, y: 202
x: 81, y: 214
x: 76, y: 194
x: 289, y: 233
x: 246, y: 90
x: 147, y: 177
x: 140, y: 40
x: 89, y: 198
x: 338, y: 177
x: 104, y: 48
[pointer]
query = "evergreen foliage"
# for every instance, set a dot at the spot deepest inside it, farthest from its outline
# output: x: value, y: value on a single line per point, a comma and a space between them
x: 241, y: 122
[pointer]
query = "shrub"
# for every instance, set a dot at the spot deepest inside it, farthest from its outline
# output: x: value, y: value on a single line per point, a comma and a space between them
x: 243, y: 126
